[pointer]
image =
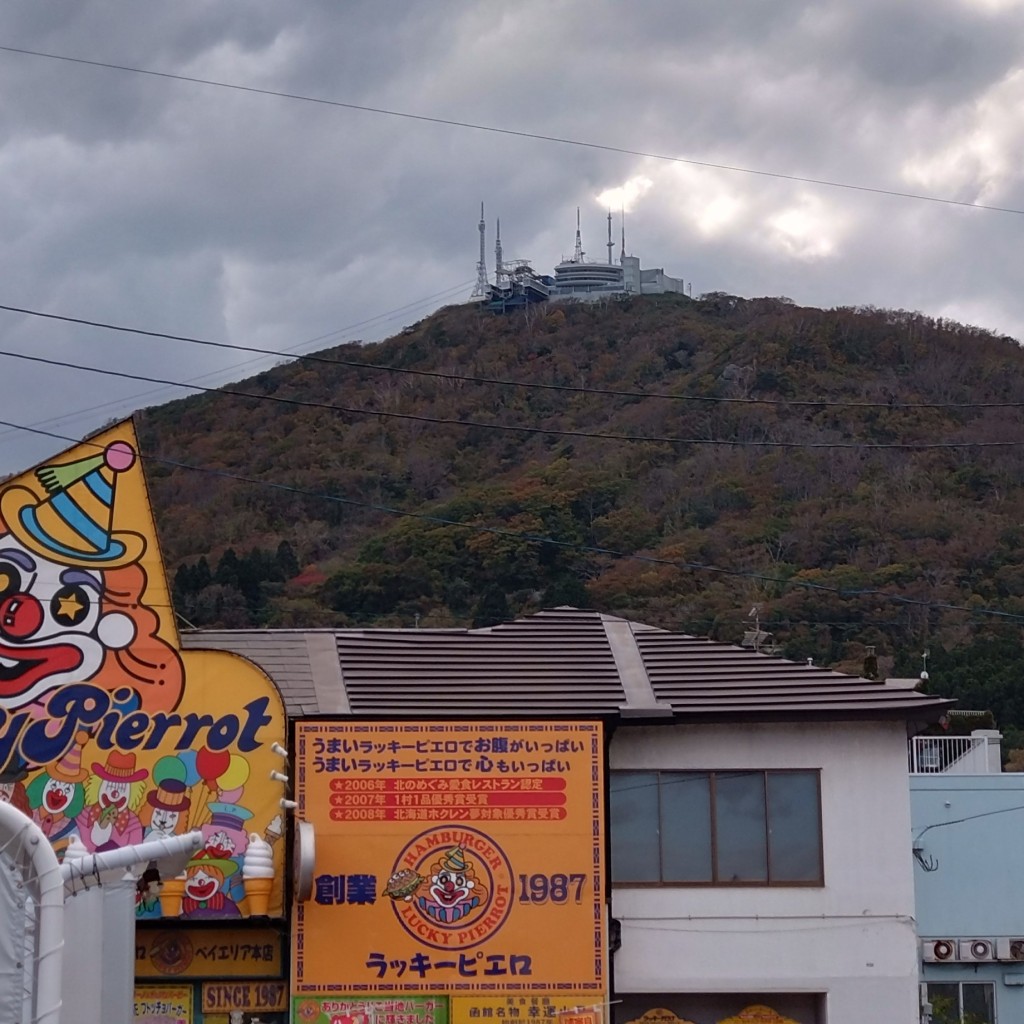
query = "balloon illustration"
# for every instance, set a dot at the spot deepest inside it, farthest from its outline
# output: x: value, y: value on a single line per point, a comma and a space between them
x: 236, y: 774
x: 170, y: 768
x: 212, y: 764
x: 188, y: 759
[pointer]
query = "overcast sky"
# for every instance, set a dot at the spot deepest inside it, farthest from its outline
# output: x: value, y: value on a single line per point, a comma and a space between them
x: 242, y: 217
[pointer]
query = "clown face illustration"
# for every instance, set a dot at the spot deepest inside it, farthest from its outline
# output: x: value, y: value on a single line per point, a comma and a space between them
x: 57, y: 796
x: 163, y: 823
x: 220, y: 844
x: 202, y: 884
x: 452, y: 890
x: 448, y: 888
x: 52, y: 631
x: 114, y: 794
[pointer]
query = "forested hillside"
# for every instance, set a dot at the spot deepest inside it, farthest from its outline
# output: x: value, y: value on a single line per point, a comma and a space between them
x: 747, y: 467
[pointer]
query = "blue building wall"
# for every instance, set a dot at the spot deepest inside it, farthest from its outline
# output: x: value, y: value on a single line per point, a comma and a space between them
x: 971, y: 827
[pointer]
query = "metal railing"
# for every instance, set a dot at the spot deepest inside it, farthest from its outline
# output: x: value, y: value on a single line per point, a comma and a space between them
x: 954, y: 755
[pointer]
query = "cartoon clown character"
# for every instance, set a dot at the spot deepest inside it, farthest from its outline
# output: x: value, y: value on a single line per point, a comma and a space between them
x: 57, y: 796
x: 113, y: 794
x: 452, y: 890
x: 70, y: 590
x: 225, y: 838
x: 204, y: 884
x: 164, y: 813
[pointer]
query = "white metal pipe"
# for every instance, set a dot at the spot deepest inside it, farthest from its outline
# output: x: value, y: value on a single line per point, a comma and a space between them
x: 44, y: 884
x: 80, y: 869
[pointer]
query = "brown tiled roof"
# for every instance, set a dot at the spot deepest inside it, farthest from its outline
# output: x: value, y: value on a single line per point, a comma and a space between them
x: 558, y: 662
x: 700, y: 677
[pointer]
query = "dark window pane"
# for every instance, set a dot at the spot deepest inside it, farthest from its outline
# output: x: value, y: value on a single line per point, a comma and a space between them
x: 686, y: 827
x: 979, y: 1003
x: 740, y: 834
x: 633, y: 815
x: 945, y: 1000
x: 794, y: 827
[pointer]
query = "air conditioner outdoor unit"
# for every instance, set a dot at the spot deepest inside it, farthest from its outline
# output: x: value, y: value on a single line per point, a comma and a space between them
x: 977, y: 949
x: 939, y: 950
x: 1010, y: 949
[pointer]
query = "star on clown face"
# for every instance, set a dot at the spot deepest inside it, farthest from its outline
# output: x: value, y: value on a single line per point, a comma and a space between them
x: 52, y: 631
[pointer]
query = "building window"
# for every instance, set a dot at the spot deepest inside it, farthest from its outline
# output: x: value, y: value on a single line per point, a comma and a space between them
x: 716, y: 828
x: 965, y: 1002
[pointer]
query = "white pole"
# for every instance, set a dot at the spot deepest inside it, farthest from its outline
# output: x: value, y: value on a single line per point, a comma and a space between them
x: 42, y: 877
x: 99, y: 925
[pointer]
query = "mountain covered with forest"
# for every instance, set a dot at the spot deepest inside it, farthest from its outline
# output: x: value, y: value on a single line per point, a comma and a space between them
x: 845, y: 479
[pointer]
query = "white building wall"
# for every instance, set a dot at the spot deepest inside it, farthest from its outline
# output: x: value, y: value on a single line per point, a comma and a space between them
x: 853, y: 940
x: 631, y: 274
x: 656, y: 282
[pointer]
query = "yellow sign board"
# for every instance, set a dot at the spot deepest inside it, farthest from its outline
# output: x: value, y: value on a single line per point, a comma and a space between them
x: 109, y: 732
x: 225, y: 996
x: 456, y: 857
x: 163, y: 1004
x: 522, y: 1010
x: 208, y: 953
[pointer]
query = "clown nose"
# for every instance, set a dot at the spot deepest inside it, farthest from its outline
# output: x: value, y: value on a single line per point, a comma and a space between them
x: 20, y: 616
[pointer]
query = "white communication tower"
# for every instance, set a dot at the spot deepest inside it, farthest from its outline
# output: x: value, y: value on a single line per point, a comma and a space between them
x: 483, y: 285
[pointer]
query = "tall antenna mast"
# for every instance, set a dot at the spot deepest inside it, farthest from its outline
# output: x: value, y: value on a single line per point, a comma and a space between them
x: 622, y: 255
x: 498, y: 262
x: 611, y: 244
x: 577, y: 256
x: 482, y: 284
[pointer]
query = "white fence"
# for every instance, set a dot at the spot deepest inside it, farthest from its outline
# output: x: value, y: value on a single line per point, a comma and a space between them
x: 955, y: 755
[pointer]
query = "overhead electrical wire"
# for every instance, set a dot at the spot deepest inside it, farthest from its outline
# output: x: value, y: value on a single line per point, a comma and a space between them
x: 288, y: 353
x: 493, y: 129
x: 520, y: 428
x: 531, y: 538
x: 796, y: 403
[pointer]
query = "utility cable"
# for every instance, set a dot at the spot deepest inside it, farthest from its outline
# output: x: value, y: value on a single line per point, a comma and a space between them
x: 801, y: 403
x: 531, y: 538
x: 518, y: 429
x: 493, y: 129
x: 285, y: 354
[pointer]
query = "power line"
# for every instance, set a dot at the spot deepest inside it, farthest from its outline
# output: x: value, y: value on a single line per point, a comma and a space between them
x: 560, y: 140
x: 503, y: 382
x: 530, y: 538
x: 285, y: 354
x: 520, y: 429
x: 800, y: 403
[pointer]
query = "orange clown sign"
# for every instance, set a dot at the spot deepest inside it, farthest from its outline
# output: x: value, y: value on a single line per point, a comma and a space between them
x: 109, y: 732
x: 455, y: 857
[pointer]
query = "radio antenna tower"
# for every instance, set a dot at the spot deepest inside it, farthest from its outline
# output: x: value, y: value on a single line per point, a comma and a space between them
x: 483, y: 286
x: 577, y: 256
x: 499, y: 263
x: 611, y: 244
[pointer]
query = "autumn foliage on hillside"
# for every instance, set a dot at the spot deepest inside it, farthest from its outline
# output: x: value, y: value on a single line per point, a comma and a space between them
x: 687, y: 519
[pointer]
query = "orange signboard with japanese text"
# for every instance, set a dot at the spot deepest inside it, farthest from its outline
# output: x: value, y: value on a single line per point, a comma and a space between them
x: 455, y: 857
